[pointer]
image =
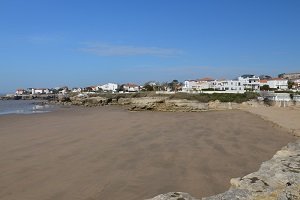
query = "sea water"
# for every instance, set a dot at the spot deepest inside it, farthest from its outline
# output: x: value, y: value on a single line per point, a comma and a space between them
x: 23, y: 107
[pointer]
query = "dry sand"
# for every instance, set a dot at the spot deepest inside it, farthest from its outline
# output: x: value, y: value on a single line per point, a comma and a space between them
x: 109, y: 153
x: 288, y: 118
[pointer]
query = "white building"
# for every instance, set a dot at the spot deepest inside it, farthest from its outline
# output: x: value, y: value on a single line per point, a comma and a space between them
x: 224, y: 86
x: 296, y: 84
x: 250, y: 82
x: 95, y: 88
x: 76, y: 90
x: 275, y: 83
x: 20, y: 91
x: 64, y: 91
x: 231, y: 86
x: 197, y: 85
x: 40, y: 91
x: 190, y: 85
x: 109, y: 87
x: 276, y: 96
x: 296, y: 98
x: 130, y: 87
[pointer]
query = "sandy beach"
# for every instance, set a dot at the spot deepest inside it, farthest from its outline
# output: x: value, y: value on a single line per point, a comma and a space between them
x: 110, y: 153
x: 287, y: 118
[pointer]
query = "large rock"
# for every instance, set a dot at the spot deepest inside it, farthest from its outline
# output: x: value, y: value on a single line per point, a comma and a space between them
x: 144, y: 103
x: 277, y: 179
x: 174, y: 196
x: 174, y: 105
x: 89, y: 101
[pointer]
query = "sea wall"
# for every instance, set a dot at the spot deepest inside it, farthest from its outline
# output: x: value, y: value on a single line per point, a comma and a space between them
x: 277, y: 179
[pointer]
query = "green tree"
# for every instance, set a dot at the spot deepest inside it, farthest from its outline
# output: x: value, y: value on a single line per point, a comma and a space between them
x: 148, y: 87
x: 290, y: 84
x: 174, y: 85
x: 265, y: 87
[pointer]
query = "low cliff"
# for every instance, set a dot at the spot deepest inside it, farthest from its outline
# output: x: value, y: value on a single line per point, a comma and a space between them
x: 152, y: 103
x: 277, y: 179
x: 173, y: 105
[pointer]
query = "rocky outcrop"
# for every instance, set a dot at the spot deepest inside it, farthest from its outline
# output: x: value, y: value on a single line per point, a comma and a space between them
x: 83, y: 101
x: 176, y: 105
x: 174, y: 196
x: 277, y: 179
x: 162, y: 103
x: 149, y: 103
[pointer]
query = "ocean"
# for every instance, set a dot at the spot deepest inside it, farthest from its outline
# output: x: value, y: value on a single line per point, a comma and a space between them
x: 23, y: 107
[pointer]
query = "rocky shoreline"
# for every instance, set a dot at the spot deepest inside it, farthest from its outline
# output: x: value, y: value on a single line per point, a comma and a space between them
x: 152, y: 103
x: 278, y: 178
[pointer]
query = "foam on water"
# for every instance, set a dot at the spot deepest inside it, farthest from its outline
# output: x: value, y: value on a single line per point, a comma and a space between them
x: 23, y: 107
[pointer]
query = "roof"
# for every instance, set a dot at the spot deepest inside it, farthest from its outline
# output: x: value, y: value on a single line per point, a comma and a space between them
x: 263, y: 81
x: 206, y: 79
x: 247, y: 76
x: 130, y: 85
x: 293, y: 73
x: 278, y: 79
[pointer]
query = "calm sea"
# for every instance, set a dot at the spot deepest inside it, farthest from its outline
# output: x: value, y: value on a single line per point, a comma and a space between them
x: 23, y: 107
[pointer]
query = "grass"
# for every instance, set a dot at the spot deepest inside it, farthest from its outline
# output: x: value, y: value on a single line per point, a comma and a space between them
x: 204, y: 98
x: 238, y: 98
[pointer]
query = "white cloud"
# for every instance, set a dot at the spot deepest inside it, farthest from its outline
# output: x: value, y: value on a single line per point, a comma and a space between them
x: 44, y: 38
x: 123, y: 50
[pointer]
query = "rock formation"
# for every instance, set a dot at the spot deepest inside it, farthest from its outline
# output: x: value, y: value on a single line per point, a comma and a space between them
x: 150, y: 103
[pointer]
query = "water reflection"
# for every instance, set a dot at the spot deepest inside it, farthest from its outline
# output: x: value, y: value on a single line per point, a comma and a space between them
x: 24, y: 107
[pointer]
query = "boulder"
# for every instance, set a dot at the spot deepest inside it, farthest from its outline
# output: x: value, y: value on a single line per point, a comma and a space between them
x: 174, y: 196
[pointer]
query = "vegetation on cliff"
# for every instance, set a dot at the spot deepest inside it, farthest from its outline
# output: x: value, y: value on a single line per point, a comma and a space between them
x: 201, y: 97
x: 205, y: 98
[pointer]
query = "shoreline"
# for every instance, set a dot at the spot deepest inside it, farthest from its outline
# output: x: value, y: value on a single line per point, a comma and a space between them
x: 25, y: 107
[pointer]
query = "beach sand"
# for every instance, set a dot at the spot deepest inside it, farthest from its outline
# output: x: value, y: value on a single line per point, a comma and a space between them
x: 110, y: 153
x: 287, y: 118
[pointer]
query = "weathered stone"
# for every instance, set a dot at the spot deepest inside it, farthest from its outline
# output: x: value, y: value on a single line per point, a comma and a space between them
x: 174, y: 196
x: 236, y: 194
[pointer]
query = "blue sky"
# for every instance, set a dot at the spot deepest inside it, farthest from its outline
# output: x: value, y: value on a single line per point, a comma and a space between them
x: 78, y: 43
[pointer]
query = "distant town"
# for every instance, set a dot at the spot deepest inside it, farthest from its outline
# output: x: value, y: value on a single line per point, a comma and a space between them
x: 244, y: 83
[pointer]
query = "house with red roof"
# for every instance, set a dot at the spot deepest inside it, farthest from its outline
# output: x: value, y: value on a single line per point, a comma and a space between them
x: 130, y: 87
x: 20, y: 92
x: 197, y: 85
x: 275, y: 83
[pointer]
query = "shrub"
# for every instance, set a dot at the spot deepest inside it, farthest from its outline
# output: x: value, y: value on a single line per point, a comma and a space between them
x: 223, y: 97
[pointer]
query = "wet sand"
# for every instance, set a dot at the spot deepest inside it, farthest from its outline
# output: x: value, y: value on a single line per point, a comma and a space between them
x: 110, y: 153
